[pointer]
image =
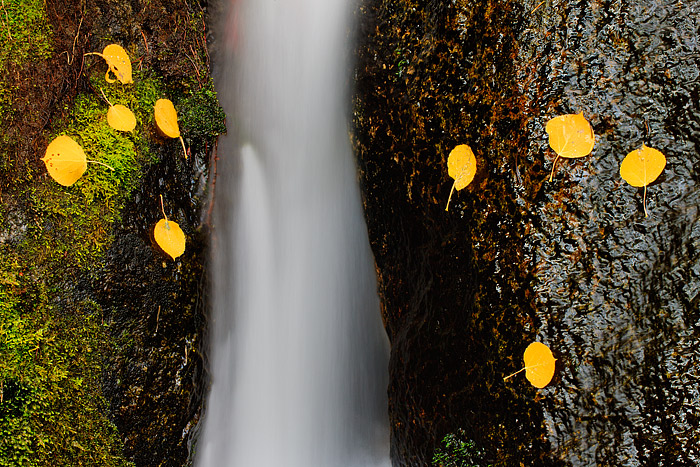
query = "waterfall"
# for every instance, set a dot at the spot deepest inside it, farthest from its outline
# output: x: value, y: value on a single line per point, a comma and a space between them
x: 298, y: 352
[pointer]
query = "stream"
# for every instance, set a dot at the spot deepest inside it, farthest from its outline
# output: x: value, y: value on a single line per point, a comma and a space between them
x: 298, y: 355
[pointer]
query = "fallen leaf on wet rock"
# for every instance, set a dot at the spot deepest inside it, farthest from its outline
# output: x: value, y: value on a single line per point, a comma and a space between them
x: 641, y: 167
x: 570, y: 136
x: 461, y: 166
x: 169, y: 236
x: 539, y: 365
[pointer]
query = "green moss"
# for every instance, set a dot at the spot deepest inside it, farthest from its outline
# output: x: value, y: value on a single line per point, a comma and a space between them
x: 51, y: 409
x: 52, y: 345
x: 457, y: 450
x: 25, y: 34
x: 200, y: 114
x: 24, y: 31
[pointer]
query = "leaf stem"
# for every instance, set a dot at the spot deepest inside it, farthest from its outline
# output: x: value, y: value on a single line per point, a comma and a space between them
x: 102, y: 163
x: 551, y: 175
x: 526, y: 368
x: 105, y: 98
x: 646, y: 214
x: 163, y: 209
x: 157, y: 317
x: 450, y: 197
x: 183, y: 146
x: 513, y: 374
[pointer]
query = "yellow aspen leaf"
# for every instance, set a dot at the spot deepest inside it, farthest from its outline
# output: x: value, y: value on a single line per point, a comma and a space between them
x: 121, y: 118
x: 65, y: 160
x: 461, y: 166
x: 539, y: 365
x: 641, y: 167
x: 169, y: 236
x: 118, y: 62
x: 166, y: 120
x: 570, y: 136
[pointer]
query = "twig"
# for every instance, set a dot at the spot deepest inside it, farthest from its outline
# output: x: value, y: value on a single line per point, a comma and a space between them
x: 194, y: 65
x: 157, y: 320
x: 144, y: 40
x: 539, y: 5
x: 75, y: 40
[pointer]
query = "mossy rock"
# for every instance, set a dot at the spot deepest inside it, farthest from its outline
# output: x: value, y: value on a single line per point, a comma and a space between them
x: 77, y: 338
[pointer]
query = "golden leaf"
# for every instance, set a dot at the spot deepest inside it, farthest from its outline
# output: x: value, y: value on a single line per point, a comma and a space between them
x: 168, y: 235
x: 118, y: 62
x: 166, y: 119
x: 539, y: 365
x: 121, y: 118
x: 65, y: 160
x: 641, y: 167
x: 461, y: 166
x: 570, y: 136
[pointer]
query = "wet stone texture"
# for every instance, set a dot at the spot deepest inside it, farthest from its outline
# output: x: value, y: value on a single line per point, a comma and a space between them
x: 156, y: 310
x: 573, y: 263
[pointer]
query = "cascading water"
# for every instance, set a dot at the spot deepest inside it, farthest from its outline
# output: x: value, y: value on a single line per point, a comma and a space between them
x: 299, y: 355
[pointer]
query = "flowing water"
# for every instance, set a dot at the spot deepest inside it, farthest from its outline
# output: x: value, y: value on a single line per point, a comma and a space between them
x: 298, y: 351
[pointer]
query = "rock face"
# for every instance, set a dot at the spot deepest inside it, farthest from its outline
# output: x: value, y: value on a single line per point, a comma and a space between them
x: 82, y: 258
x: 573, y: 263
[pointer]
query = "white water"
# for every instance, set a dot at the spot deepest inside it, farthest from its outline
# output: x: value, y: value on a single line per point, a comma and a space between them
x: 299, y: 355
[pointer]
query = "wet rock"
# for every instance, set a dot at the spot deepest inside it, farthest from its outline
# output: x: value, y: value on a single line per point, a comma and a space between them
x: 572, y: 263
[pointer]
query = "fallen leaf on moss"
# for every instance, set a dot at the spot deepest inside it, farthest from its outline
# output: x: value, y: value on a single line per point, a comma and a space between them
x: 570, y: 136
x: 118, y: 62
x: 65, y: 160
x: 641, y: 167
x: 461, y: 166
x: 539, y: 365
x: 166, y: 119
x: 119, y: 116
x: 169, y: 236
